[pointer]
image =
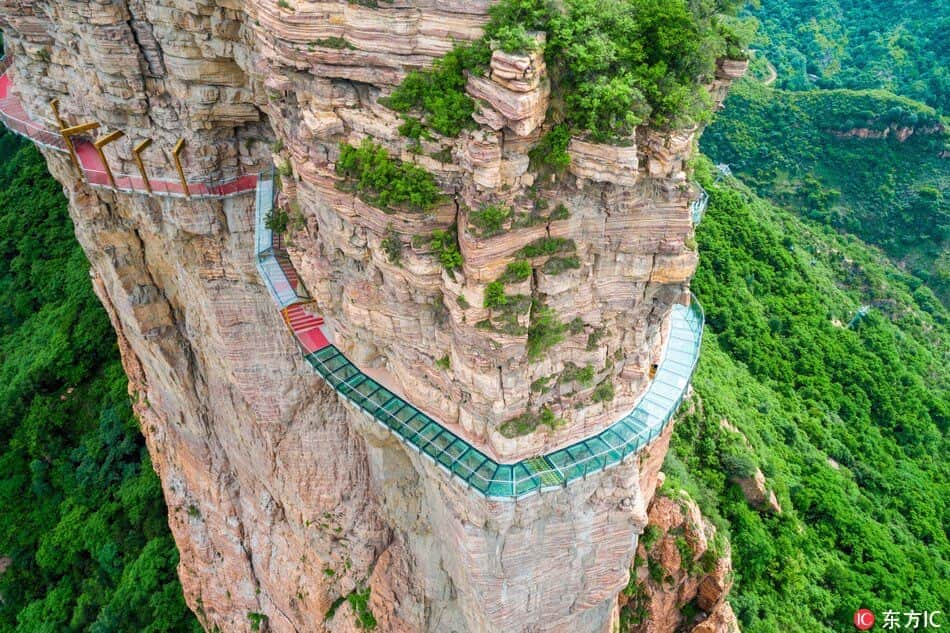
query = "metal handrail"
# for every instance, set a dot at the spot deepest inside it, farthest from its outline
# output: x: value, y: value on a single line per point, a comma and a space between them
x: 205, y: 187
x: 611, y: 456
x: 640, y: 426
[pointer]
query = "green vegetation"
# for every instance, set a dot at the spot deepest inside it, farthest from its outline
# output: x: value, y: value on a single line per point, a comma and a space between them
x: 495, y: 295
x: 277, y: 220
x: 546, y: 246
x: 516, y: 272
x: 444, y: 363
x: 560, y: 213
x: 545, y: 331
x: 651, y: 534
x: 847, y: 423
x: 613, y: 65
x: 893, y: 194
x: 256, y: 619
x: 551, y: 153
x: 583, y: 376
x: 558, y: 265
x: 392, y: 245
x: 332, y: 42
x: 897, y: 46
x: 439, y: 93
x: 489, y: 220
x: 445, y: 247
x: 528, y: 421
x: 359, y: 601
x: 82, y: 518
x: 385, y: 182
x: 604, y: 392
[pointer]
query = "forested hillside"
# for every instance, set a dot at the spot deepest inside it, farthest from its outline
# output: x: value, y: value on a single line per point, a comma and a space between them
x: 822, y: 153
x: 83, y: 531
x: 845, y: 415
x: 896, y: 45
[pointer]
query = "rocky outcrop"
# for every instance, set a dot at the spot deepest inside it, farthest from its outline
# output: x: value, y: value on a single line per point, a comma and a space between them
x: 756, y: 492
x: 682, y: 573
x: 284, y: 500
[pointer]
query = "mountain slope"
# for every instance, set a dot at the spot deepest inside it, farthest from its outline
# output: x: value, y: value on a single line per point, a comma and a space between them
x: 847, y: 423
x: 83, y: 525
x: 844, y: 157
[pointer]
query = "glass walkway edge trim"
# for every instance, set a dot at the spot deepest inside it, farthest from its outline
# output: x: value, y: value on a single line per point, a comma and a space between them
x: 698, y: 206
x: 456, y: 456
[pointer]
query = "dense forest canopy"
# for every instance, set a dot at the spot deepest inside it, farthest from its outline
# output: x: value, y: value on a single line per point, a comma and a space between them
x: 613, y: 64
x: 83, y: 527
x: 897, y: 45
x: 846, y: 415
x: 825, y: 154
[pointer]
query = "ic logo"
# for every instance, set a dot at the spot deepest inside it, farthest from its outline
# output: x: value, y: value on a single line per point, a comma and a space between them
x: 863, y: 619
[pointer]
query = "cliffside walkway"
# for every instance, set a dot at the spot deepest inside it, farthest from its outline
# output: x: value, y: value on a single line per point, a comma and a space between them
x: 15, y: 117
x: 444, y: 448
x: 450, y: 452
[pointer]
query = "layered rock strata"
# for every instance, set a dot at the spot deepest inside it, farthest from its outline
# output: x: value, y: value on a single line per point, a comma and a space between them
x: 283, y: 501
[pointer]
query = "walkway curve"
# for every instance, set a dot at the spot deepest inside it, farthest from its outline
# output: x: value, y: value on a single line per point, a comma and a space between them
x: 453, y: 454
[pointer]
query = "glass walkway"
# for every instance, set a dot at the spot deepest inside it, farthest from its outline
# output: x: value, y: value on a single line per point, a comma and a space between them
x: 453, y: 454
x: 448, y: 451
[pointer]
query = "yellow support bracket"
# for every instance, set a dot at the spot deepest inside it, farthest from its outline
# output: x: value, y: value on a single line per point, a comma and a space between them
x: 101, y: 142
x: 137, y: 155
x: 176, y: 154
x: 68, y: 132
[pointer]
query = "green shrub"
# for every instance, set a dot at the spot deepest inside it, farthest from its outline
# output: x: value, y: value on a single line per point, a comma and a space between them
x: 529, y: 421
x: 516, y: 271
x: 444, y: 363
x: 444, y: 245
x: 332, y: 42
x: 560, y: 213
x: 650, y: 536
x: 512, y: 38
x: 490, y: 219
x: 545, y: 246
x: 495, y: 295
x: 583, y: 376
x: 737, y: 463
x: 256, y: 619
x: 444, y: 155
x: 604, y: 392
x: 576, y: 326
x: 439, y: 93
x: 551, y: 153
x: 541, y: 384
x: 359, y: 601
x: 276, y: 220
x: 385, y: 182
x: 545, y: 330
x: 557, y: 265
x: 413, y: 128
x: 392, y: 245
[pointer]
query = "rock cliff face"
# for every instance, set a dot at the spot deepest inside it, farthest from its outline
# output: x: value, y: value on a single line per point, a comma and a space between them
x: 285, y: 502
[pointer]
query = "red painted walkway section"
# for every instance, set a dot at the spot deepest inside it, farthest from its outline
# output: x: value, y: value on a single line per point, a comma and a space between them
x: 306, y: 327
x: 17, y: 119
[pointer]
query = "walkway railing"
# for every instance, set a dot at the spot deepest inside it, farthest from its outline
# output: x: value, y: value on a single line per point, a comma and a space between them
x: 456, y: 456
x: 698, y: 206
x: 15, y: 117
